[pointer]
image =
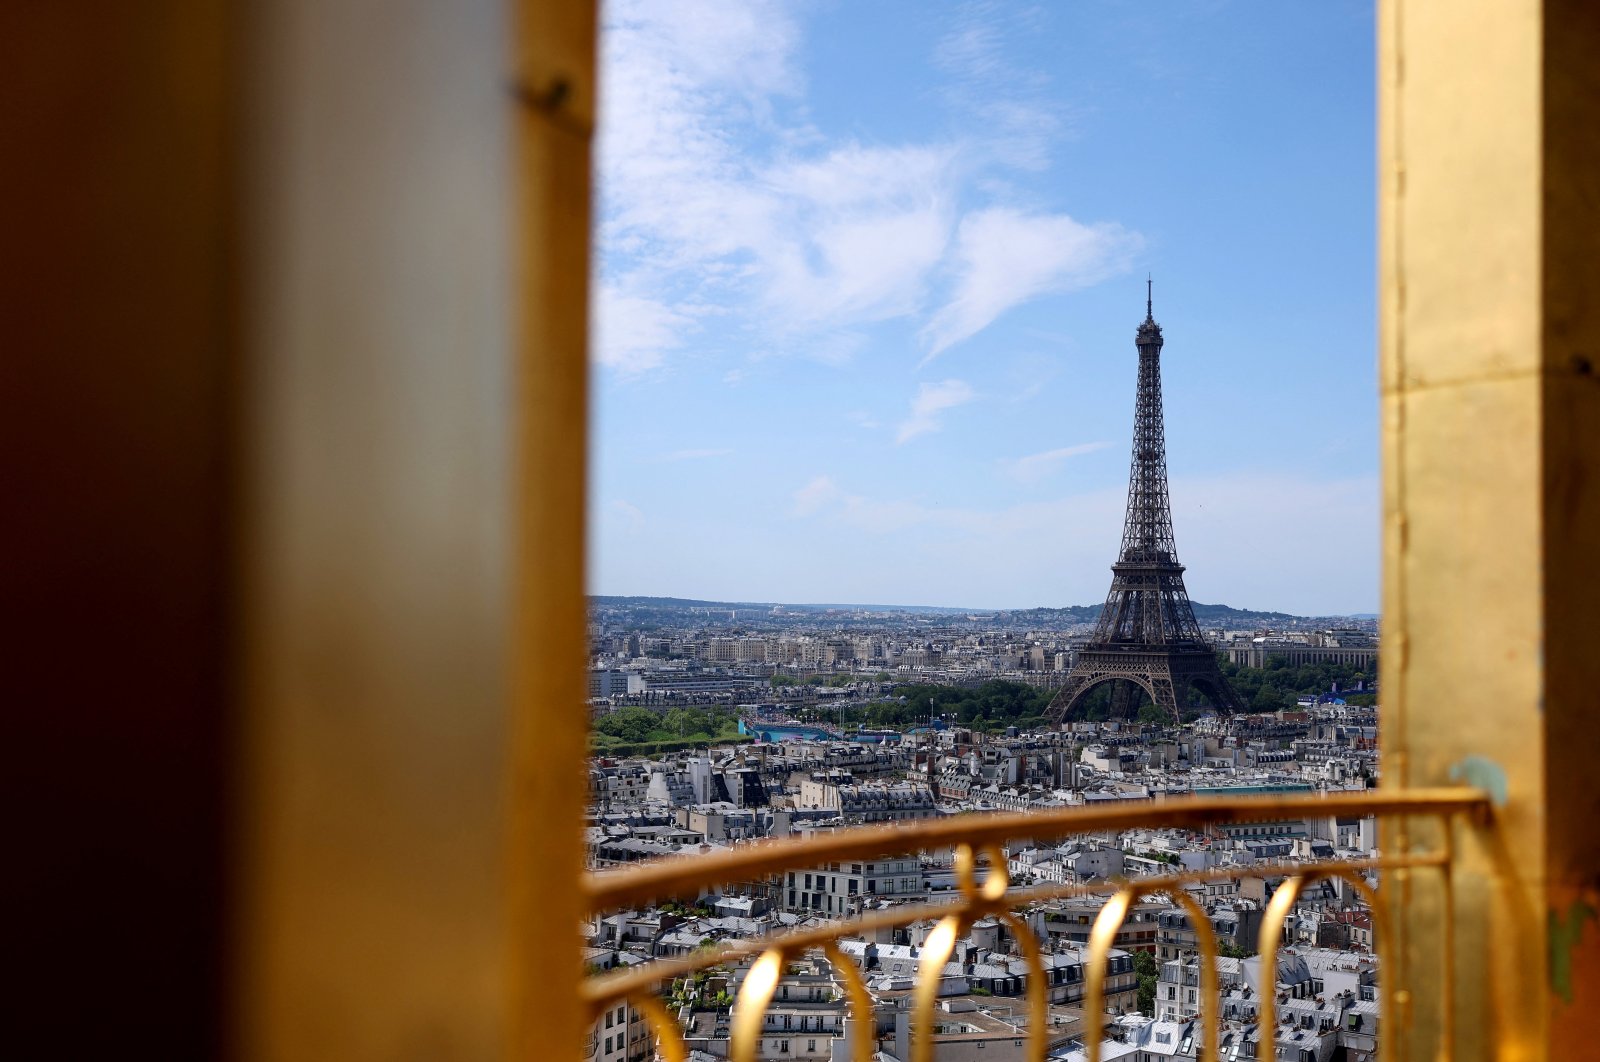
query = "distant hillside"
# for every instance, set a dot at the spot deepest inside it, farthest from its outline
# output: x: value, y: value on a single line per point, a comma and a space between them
x: 1072, y: 615
x: 1226, y: 616
x: 613, y: 601
x: 616, y: 601
x: 1049, y: 617
x: 1208, y: 615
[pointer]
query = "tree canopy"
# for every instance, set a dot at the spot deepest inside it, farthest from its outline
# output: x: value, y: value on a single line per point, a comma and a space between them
x: 633, y: 724
x: 1274, y: 687
x: 996, y: 702
x: 1144, y: 965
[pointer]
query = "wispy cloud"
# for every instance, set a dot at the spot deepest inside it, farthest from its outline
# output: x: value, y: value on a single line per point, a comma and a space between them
x: 814, y: 495
x: 1005, y: 101
x: 704, y: 195
x: 719, y: 197
x: 862, y: 419
x: 693, y: 455
x: 1035, y: 467
x: 632, y: 333
x: 823, y: 497
x: 862, y: 228
x: 628, y: 515
x: 1008, y: 257
x: 933, y: 399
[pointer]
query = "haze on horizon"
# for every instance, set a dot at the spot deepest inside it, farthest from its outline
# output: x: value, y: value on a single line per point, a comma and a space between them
x: 868, y: 280
x: 920, y: 606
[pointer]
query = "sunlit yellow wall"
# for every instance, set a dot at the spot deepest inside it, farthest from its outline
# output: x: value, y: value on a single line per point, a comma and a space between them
x: 1490, y: 215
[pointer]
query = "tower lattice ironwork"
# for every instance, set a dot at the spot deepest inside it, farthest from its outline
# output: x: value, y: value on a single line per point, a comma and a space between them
x: 1147, y: 636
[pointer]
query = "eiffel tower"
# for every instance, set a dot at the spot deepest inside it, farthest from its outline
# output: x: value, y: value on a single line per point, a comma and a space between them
x: 1147, y: 637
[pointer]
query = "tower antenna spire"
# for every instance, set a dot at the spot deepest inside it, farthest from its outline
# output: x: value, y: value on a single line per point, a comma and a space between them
x: 1149, y: 297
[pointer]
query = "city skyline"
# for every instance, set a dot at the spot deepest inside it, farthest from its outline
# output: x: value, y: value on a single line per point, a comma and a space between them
x: 865, y: 302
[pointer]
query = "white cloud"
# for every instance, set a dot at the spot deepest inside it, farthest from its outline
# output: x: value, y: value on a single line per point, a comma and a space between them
x: 1008, y: 257
x: 1011, y: 115
x: 835, y: 349
x: 632, y: 333
x: 862, y: 419
x: 863, y: 229
x: 716, y: 193
x: 933, y: 399
x: 703, y: 195
x: 629, y: 515
x: 678, y: 78
x: 693, y: 455
x: 814, y: 495
x: 972, y: 47
x: 1037, y: 466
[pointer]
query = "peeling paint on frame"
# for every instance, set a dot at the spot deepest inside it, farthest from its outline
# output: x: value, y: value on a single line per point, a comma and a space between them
x: 1565, y: 933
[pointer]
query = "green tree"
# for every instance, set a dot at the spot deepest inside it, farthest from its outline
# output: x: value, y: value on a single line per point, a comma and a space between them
x: 1270, y: 698
x: 629, y: 724
x: 687, y: 722
x: 1144, y: 965
x: 1149, y: 713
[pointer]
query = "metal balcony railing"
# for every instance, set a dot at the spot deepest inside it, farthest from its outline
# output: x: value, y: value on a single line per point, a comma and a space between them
x: 980, y: 837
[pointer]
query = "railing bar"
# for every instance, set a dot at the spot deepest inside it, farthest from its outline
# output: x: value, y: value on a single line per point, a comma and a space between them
x: 1447, y: 944
x: 1038, y: 988
x: 1395, y: 1000
x: 1512, y: 927
x: 1272, y: 923
x: 1383, y: 928
x: 1106, y: 924
x: 597, y: 990
x: 865, y: 1034
x: 936, y: 952
x: 658, y: 879
x: 665, y: 1025
x: 750, y: 1006
x: 1210, y: 983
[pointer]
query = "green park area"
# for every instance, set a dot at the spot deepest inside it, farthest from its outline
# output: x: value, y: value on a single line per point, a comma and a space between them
x: 633, y: 731
x: 989, y: 706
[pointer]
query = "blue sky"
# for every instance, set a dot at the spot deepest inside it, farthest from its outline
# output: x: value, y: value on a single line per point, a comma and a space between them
x: 868, y: 275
